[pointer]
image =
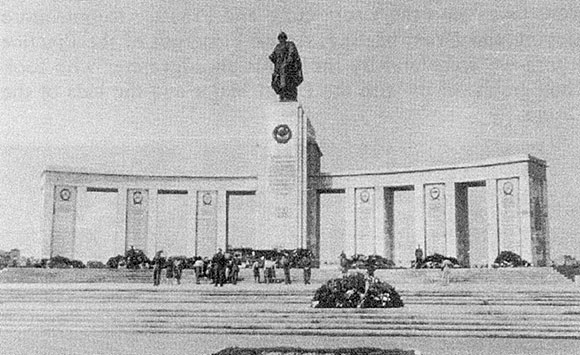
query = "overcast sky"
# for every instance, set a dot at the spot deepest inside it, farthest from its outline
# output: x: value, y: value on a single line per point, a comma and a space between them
x: 172, y: 87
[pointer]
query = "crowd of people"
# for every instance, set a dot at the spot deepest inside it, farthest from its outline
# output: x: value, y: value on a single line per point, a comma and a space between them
x: 224, y: 268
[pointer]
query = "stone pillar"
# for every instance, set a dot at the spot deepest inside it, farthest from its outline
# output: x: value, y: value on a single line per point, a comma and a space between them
x: 380, y: 235
x: 450, y: 234
x: 207, y: 223
x: 419, y: 191
x: 389, y: 223
x: 462, y: 224
x: 313, y: 225
x: 64, y: 221
x: 121, y: 216
x: 137, y: 204
x: 153, y: 241
x: 365, y: 226
x: 509, y: 215
x: 435, y: 219
x: 349, y: 228
x: 525, y: 218
x: 540, y: 225
x: 48, y: 189
x: 192, y: 222
x: 222, y: 216
x: 492, y: 221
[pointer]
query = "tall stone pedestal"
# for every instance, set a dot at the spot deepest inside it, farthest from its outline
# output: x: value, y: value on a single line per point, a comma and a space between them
x: 282, y: 178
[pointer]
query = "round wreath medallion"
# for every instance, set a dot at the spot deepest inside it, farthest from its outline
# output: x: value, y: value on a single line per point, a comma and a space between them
x: 65, y: 194
x: 137, y: 197
x: 207, y: 199
x: 282, y: 133
x: 508, y: 188
x: 365, y: 196
x: 435, y: 193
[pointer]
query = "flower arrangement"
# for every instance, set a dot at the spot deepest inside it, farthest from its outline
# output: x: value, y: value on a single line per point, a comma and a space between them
x: 510, y: 259
x: 356, y: 291
x: 435, y: 261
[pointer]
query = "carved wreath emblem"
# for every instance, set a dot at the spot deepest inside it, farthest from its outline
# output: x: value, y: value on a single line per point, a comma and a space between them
x: 508, y: 188
x: 137, y: 197
x: 282, y: 133
x: 207, y: 199
x: 434, y: 192
x: 65, y: 194
x: 364, y: 196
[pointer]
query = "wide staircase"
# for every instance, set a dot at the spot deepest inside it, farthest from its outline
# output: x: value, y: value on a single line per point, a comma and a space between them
x: 498, y: 303
x: 545, y: 276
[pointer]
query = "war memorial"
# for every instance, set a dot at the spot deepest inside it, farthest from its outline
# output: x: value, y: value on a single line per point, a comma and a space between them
x: 469, y: 211
x: 93, y: 216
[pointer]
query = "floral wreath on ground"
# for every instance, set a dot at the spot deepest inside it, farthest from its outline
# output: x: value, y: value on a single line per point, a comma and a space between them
x: 356, y: 291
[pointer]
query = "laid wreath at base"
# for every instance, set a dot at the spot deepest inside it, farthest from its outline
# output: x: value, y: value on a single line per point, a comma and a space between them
x: 356, y: 291
x: 510, y: 259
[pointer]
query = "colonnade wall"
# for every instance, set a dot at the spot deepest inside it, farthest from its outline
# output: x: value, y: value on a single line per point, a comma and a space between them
x: 93, y: 216
x: 515, y: 208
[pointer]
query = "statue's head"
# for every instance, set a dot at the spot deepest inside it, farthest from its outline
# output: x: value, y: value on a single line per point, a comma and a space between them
x: 282, y: 37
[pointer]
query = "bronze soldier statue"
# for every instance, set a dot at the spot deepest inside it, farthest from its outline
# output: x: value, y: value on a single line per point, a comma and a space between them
x: 287, y: 69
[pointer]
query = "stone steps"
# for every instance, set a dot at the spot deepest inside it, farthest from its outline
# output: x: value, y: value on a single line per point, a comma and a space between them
x: 285, y: 310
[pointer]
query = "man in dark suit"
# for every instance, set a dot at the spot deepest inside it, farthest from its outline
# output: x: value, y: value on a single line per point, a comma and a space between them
x: 219, y: 261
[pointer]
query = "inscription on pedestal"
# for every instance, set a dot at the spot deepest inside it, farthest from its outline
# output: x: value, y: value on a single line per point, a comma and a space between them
x: 282, y: 176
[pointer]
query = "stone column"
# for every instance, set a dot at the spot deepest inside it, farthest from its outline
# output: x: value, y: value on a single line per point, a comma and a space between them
x: 138, y: 205
x: 349, y: 228
x: 152, y: 229
x: 206, y: 223
x: 492, y: 221
x: 380, y: 216
x: 121, y: 216
x: 64, y: 221
x: 192, y: 222
x: 48, y: 216
x: 389, y: 223
x: 462, y: 225
x: 509, y: 215
x: 365, y: 226
x: 435, y: 219
x: 526, y: 218
x: 419, y: 191
x: 221, y: 219
x: 450, y: 227
x: 313, y: 225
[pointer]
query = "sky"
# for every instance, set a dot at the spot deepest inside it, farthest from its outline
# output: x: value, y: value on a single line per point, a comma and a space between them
x: 173, y: 87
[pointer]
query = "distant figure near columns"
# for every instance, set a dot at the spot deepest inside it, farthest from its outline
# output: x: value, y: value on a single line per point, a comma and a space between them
x: 287, y: 69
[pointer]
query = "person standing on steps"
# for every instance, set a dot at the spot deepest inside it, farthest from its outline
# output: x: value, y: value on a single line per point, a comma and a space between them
x: 158, y: 264
x: 219, y: 265
x: 198, y: 268
x: 177, y: 269
x: 418, y: 257
x: 256, y: 269
x: 306, y: 264
x: 285, y: 263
